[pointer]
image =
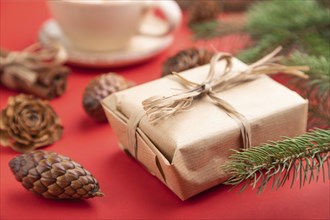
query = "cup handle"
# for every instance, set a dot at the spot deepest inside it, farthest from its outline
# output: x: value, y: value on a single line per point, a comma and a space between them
x: 172, y: 14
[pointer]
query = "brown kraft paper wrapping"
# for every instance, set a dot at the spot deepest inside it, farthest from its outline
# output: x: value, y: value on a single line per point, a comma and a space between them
x: 186, y: 150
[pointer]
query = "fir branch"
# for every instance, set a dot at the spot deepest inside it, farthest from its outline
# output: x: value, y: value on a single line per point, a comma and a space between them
x: 267, y: 17
x: 317, y: 43
x: 264, y: 46
x: 206, y: 29
x: 302, y: 25
x: 303, y: 157
x: 215, y: 28
x: 319, y: 72
x: 316, y: 89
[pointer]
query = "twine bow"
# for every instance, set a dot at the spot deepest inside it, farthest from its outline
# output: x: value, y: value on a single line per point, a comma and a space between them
x: 159, y: 108
x: 25, y: 65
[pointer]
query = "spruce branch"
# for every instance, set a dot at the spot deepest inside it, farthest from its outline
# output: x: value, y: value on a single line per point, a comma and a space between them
x: 302, y: 25
x: 316, y: 89
x: 319, y: 72
x: 293, y: 16
x: 300, y: 158
x: 214, y: 28
x: 206, y: 29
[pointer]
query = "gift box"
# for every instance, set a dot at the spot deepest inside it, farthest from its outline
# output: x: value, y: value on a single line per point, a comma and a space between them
x: 187, y: 149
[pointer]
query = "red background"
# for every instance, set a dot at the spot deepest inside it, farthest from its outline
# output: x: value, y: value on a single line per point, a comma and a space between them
x: 130, y: 191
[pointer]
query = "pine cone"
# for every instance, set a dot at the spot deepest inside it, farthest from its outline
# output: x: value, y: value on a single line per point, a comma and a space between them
x: 201, y: 11
x: 186, y: 59
x: 37, y: 70
x: 99, y: 88
x: 28, y: 123
x: 54, y: 176
x: 51, y: 83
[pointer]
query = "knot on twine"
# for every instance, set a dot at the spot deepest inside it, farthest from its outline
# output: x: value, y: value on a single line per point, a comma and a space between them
x: 159, y: 108
x: 206, y: 88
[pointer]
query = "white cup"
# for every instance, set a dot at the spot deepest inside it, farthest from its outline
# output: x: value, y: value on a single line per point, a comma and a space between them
x: 103, y: 25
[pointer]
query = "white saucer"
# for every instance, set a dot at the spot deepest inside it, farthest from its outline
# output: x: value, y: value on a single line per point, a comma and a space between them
x: 139, y: 49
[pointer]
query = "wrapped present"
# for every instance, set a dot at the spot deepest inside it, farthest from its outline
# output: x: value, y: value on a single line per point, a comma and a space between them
x: 182, y: 127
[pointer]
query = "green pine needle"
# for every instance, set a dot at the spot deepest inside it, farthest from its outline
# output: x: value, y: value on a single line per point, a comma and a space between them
x: 288, y: 17
x: 319, y: 73
x: 316, y: 89
x: 215, y: 28
x: 294, y: 24
x: 206, y: 29
x: 301, y: 158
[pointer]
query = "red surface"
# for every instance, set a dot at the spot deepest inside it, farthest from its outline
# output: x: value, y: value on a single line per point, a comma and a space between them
x: 130, y: 192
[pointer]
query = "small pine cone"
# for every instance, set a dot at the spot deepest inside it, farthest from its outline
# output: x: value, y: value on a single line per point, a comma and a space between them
x: 28, y: 123
x: 201, y: 11
x: 186, y: 59
x: 51, y: 82
x: 37, y: 70
x: 54, y: 176
x: 99, y: 88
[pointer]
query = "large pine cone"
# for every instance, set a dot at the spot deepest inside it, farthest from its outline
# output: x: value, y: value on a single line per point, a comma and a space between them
x: 28, y: 123
x: 54, y: 176
x: 186, y: 59
x: 99, y: 88
x: 201, y: 11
